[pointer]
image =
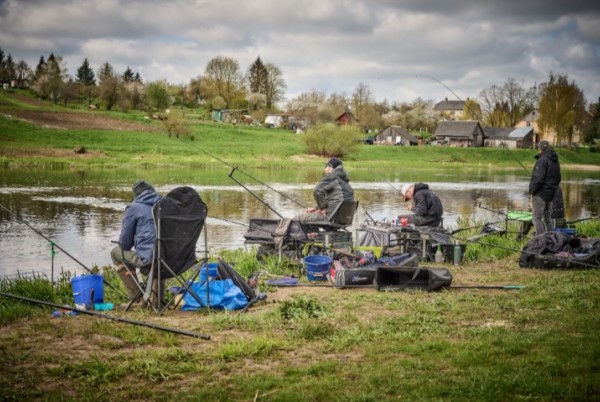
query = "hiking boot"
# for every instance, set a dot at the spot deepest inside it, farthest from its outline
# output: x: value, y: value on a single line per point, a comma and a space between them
x: 127, y: 277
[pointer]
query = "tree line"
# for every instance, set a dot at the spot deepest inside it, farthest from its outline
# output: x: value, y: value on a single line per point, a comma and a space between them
x: 559, y: 103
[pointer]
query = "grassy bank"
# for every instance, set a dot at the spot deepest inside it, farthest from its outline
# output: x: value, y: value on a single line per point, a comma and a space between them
x: 143, y: 143
x: 314, y: 343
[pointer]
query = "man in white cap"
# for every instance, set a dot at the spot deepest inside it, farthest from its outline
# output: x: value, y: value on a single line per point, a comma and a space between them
x: 426, y: 205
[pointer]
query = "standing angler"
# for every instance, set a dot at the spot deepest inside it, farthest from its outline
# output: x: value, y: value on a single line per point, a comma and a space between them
x: 543, y: 185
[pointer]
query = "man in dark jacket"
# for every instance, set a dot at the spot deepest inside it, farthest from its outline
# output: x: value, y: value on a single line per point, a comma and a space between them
x: 333, y: 188
x: 543, y: 185
x: 138, y: 233
x: 426, y: 206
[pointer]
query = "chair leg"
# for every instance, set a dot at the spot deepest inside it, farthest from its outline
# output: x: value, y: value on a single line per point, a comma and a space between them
x: 154, y: 296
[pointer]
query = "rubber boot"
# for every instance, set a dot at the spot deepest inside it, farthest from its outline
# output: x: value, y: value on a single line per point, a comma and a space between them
x: 153, y: 296
x: 130, y: 287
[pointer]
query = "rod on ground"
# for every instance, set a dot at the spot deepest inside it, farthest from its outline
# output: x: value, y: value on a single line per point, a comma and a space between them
x: 507, y: 287
x: 110, y: 317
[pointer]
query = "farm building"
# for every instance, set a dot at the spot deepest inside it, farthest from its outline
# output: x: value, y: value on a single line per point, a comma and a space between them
x: 460, y: 134
x: 396, y: 135
x: 346, y: 118
x: 450, y: 109
x: 508, y: 137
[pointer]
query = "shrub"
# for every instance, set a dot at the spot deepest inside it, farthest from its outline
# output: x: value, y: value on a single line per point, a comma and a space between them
x: 331, y: 140
x: 177, y: 125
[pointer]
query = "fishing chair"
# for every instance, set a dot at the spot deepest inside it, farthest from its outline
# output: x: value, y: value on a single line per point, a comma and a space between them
x: 179, y: 218
x: 333, y: 233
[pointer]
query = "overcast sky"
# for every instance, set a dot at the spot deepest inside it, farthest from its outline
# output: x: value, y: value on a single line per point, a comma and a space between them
x: 402, y: 49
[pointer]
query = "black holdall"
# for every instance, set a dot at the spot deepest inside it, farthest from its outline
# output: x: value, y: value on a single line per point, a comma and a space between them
x: 412, y: 278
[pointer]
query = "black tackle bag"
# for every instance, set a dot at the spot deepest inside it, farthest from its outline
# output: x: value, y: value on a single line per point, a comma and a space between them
x: 412, y: 278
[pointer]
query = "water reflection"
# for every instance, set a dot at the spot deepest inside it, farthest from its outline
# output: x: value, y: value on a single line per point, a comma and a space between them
x: 81, y: 211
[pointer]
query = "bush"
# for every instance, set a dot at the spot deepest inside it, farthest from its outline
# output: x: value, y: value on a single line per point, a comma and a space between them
x: 331, y: 140
x: 177, y: 125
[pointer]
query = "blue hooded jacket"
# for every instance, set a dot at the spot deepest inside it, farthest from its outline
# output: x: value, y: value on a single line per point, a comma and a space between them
x: 138, y: 225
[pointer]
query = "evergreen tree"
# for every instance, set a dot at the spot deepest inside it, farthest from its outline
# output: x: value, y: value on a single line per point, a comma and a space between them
x: 128, y: 75
x: 257, y: 77
x: 85, y: 74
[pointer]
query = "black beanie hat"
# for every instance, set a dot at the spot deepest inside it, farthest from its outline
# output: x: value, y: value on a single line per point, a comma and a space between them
x: 543, y: 145
x: 140, y: 186
x: 334, y: 162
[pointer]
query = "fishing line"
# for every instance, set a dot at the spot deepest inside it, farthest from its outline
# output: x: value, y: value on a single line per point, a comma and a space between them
x: 59, y: 247
x: 514, y: 157
x: 246, y: 174
x: 110, y: 317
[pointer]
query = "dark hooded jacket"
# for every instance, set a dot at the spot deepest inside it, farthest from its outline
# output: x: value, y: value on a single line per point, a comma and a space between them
x: 427, y: 205
x: 546, y: 175
x: 332, y: 190
x: 138, y: 225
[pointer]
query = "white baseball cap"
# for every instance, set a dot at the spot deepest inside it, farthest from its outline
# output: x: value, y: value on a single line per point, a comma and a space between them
x: 404, y: 190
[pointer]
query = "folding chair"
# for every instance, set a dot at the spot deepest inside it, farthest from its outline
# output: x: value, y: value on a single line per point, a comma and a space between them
x: 333, y: 233
x: 179, y: 219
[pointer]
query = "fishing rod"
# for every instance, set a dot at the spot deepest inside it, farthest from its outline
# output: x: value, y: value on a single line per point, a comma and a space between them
x: 492, y: 210
x: 60, y: 248
x: 247, y: 175
x: 514, y: 157
x: 230, y: 221
x: 474, y: 227
x: 442, y: 84
x: 266, y: 204
x: 110, y: 317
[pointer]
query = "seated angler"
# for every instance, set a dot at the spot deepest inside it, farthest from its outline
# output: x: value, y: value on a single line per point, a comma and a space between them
x: 426, y: 206
x: 333, y: 189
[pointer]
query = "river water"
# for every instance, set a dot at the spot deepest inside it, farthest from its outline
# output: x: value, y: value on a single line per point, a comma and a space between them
x: 80, y: 211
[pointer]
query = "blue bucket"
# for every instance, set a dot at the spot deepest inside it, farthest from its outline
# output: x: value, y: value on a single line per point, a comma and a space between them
x: 212, y: 268
x: 317, y: 267
x: 87, y: 290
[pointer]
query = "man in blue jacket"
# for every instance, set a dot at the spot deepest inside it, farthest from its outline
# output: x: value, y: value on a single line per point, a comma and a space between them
x: 544, y: 182
x: 136, y: 242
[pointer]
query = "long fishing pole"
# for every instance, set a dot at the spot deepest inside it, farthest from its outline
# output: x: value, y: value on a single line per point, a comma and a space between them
x: 266, y: 204
x: 60, y: 248
x: 442, y: 84
x: 110, y: 317
x: 247, y: 175
x: 514, y: 157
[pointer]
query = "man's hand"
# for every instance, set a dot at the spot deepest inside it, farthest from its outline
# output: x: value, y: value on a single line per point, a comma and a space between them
x: 309, y: 210
x: 323, y: 211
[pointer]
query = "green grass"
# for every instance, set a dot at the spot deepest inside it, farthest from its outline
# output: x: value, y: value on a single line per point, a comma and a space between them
x: 239, y: 145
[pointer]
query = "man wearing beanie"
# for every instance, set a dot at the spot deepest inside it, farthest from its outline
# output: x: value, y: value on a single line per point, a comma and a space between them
x: 333, y: 188
x: 544, y: 182
x: 138, y: 233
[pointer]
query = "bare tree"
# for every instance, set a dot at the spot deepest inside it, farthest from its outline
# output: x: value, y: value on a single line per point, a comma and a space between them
x: 361, y: 98
x: 275, y: 86
x: 506, y: 105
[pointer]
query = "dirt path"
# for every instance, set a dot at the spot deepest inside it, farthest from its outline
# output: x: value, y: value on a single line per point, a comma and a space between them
x: 70, y: 120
